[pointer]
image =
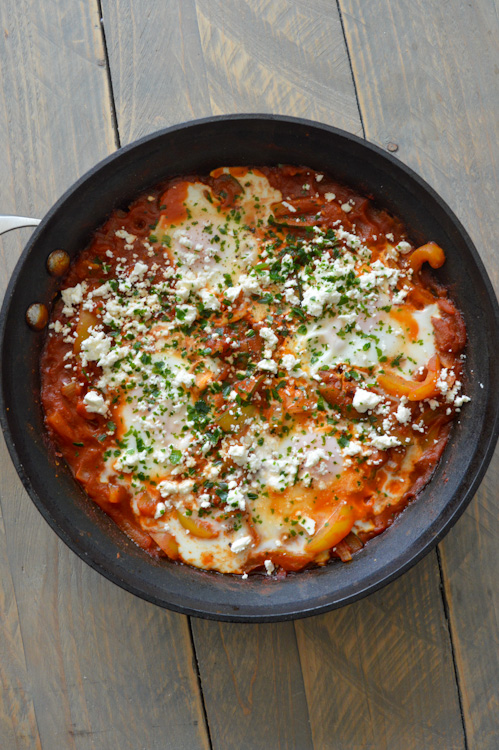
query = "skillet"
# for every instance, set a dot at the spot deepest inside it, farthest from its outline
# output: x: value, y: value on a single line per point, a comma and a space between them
x: 198, y: 147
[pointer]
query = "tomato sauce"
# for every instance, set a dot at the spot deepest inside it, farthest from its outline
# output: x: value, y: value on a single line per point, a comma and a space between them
x: 86, y: 438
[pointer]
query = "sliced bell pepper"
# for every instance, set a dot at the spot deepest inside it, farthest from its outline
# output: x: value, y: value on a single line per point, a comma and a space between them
x: 430, y: 253
x: 337, y: 526
x: 196, y: 527
x: 413, y: 390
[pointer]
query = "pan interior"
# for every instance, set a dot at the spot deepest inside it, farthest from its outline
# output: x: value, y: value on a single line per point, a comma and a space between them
x: 197, y: 148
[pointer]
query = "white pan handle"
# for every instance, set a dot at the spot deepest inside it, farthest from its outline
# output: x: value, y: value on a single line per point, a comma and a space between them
x: 16, y: 222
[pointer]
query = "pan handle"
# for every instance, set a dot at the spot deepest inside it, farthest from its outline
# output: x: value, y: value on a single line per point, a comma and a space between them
x: 16, y: 222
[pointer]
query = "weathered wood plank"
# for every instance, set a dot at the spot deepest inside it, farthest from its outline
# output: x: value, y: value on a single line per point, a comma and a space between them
x: 103, y: 669
x: 378, y: 674
x: 287, y: 57
x: 18, y: 726
x: 180, y: 59
x: 427, y: 76
x: 157, y: 66
x: 252, y: 686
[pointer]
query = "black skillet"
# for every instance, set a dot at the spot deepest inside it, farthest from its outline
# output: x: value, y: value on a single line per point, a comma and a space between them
x: 198, y: 147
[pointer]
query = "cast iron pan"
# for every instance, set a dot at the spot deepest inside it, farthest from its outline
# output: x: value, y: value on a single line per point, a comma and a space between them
x: 199, y: 147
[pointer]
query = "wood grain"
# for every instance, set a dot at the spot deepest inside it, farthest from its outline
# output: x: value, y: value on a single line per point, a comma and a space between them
x: 18, y: 726
x: 287, y: 57
x: 427, y: 76
x: 180, y: 59
x: 252, y: 686
x: 84, y: 665
x: 378, y: 674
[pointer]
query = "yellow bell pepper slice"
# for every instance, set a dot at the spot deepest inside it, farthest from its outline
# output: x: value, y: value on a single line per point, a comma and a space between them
x: 430, y: 253
x: 85, y: 321
x: 196, y: 527
x: 413, y: 390
x: 338, y: 525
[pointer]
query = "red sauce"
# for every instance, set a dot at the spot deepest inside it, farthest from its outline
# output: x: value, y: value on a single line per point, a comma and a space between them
x: 83, y: 437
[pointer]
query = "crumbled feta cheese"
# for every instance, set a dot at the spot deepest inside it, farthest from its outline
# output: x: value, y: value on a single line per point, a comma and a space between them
x: 138, y: 272
x: 313, y: 457
x: 268, y: 335
x: 167, y: 487
x: 72, y: 296
x: 240, y: 544
x: 238, y: 453
x: 403, y: 247
x: 160, y: 510
x: 289, y: 361
x: 186, y: 314
x: 308, y: 524
x: 182, y: 377
x: 383, y: 442
x: 124, y: 235
x: 185, y: 241
x: 95, y: 403
x: 269, y: 567
x: 236, y: 498
x: 403, y: 414
x: 364, y: 400
x: 352, y: 449
x: 267, y: 365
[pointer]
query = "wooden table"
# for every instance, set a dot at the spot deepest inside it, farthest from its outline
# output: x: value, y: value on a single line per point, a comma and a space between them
x: 86, y: 665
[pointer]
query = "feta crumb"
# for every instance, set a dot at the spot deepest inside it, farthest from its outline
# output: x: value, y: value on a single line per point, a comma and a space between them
x: 364, y: 400
x: 183, y: 377
x: 236, y: 499
x: 268, y: 335
x: 353, y: 448
x: 404, y: 247
x: 73, y: 295
x: 403, y: 414
x: 346, y: 207
x: 138, y: 272
x: 314, y: 456
x: 188, y: 313
x: 124, y: 235
x: 241, y: 544
x: 160, y: 510
x: 383, y: 442
x: 167, y: 487
x: 269, y: 567
x: 289, y: 361
x: 329, y: 197
x: 308, y: 524
x: 238, y: 453
x: 185, y: 241
x: 268, y: 365
x: 94, y: 403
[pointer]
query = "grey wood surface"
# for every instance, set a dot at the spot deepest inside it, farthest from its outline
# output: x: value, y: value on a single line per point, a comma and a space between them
x: 432, y: 87
x: 82, y: 663
x: 85, y: 665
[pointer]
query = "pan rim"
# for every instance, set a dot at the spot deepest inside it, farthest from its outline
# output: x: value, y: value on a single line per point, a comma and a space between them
x: 113, y: 575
